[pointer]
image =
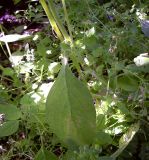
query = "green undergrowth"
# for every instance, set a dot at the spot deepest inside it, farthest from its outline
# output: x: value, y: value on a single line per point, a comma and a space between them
x: 75, y: 92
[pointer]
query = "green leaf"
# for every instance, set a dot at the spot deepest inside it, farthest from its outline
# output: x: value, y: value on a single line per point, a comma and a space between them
x: 103, y: 138
x: 43, y: 154
x: 91, y: 43
x: 126, y: 138
x: 54, y: 67
x: 8, y: 72
x: 70, y: 110
x: 8, y: 128
x: 122, y: 107
x: 90, y: 32
x: 16, y: 1
x: 10, y: 111
x: 128, y: 82
x: 138, y: 69
x: 11, y: 124
x: 106, y: 158
x: 101, y: 122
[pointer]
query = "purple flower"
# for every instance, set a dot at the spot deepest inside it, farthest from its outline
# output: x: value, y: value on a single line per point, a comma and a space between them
x: 145, y: 27
x: 110, y: 17
x: 8, y: 19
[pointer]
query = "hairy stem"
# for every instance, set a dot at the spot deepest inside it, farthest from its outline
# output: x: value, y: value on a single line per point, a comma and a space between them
x: 60, y: 25
x: 52, y: 20
x: 67, y: 20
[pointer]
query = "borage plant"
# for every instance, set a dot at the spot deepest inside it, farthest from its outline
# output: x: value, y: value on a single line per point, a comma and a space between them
x: 70, y: 112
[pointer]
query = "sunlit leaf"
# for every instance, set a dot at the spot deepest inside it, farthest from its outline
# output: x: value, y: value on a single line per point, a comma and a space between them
x: 70, y: 110
x: 142, y: 59
x: 126, y: 138
x: 90, y: 32
x: 54, y: 67
x: 101, y: 121
x: 13, y: 37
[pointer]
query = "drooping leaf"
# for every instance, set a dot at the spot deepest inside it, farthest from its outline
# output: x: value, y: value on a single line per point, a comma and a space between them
x: 126, y: 138
x: 13, y: 38
x: 128, y: 82
x: 43, y: 154
x: 70, y: 110
x: 8, y: 128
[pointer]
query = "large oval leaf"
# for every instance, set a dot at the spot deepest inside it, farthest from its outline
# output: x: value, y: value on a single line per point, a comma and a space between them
x: 10, y: 111
x: 128, y: 82
x: 70, y: 110
x: 8, y: 128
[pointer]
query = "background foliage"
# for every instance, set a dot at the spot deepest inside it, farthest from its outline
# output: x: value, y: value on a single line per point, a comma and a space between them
x: 109, y: 55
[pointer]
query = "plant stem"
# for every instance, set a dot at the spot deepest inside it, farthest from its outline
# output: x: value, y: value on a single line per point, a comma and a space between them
x: 60, y: 25
x: 52, y: 20
x: 57, y: 25
x: 7, y: 46
x: 67, y: 20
